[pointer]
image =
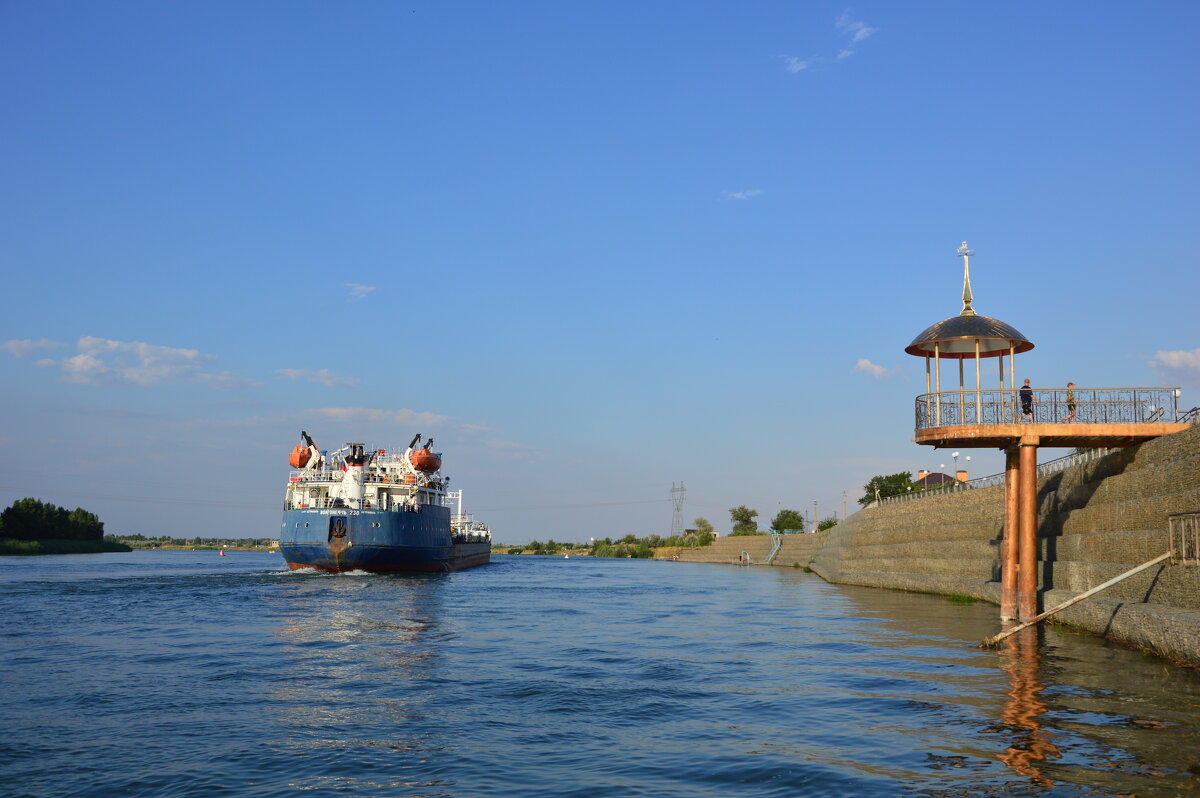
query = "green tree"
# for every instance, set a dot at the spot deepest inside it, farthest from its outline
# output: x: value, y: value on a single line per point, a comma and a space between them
x: 828, y: 522
x: 887, y: 485
x: 743, y: 520
x: 30, y: 519
x: 786, y: 520
x: 703, y: 527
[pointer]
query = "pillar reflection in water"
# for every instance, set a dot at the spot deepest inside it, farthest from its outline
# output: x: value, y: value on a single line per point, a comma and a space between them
x: 1032, y: 745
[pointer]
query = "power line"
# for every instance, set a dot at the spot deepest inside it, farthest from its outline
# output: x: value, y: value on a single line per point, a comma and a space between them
x: 565, y: 506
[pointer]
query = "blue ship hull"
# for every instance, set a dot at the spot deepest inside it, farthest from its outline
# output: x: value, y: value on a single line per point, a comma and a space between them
x: 342, y: 539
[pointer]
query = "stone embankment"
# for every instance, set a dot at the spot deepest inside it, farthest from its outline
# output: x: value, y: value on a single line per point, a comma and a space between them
x: 1095, y: 521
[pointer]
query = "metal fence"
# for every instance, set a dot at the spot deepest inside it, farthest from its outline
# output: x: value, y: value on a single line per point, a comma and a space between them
x: 1050, y: 406
x: 1043, y: 470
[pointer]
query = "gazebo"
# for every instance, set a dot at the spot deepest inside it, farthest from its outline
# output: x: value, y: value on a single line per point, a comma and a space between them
x: 987, y: 418
x: 968, y: 336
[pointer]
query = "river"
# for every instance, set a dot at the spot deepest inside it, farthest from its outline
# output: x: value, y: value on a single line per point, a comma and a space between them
x: 188, y: 674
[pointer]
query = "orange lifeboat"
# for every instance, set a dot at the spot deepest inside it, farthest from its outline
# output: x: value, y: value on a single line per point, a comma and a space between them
x: 300, y: 457
x: 425, y: 460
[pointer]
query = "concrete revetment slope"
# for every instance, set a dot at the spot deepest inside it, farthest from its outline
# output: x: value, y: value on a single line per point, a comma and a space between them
x: 729, y: 549
x: 1095, y: 521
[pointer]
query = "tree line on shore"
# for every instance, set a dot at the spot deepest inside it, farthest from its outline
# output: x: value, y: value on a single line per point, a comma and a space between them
x: 30, y: 526
x: 30, y: 519
x: 880, y: 486
x: 632, y: 546
x: 166, y: 541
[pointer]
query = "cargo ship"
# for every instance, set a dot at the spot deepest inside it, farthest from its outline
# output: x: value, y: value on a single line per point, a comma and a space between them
x: 371, y: 510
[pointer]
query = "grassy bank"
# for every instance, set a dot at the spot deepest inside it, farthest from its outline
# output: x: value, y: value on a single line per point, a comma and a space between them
x: 10, y: 547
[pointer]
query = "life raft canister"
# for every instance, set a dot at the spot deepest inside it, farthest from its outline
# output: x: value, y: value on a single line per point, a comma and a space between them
x: 300, y: 457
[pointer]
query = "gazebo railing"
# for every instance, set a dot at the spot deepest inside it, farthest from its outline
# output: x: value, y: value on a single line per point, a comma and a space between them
x: 969, y: 407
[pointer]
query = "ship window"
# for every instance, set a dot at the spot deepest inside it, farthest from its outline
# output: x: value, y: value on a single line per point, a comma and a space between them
x: 306, y: 523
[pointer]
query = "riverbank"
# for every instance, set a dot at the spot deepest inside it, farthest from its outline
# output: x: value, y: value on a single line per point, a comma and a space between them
x: 25, y: 548
x: 1095, y: 521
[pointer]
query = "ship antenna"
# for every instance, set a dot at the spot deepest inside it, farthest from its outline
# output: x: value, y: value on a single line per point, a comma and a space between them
x: 966, y: 253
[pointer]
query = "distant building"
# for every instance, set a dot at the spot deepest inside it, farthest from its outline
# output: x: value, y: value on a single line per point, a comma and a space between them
x: 931, y: 479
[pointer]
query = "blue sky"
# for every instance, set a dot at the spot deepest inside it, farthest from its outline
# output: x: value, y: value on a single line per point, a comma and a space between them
x: 590, y: 248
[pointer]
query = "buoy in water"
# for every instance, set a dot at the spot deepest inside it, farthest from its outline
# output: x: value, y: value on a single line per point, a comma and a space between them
x: 222, y: 552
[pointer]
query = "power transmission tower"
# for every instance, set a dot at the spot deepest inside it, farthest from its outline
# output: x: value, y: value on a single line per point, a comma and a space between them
x: 677, y: 497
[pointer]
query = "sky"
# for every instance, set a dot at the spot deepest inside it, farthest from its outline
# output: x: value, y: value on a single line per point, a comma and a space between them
x: 592, y: 249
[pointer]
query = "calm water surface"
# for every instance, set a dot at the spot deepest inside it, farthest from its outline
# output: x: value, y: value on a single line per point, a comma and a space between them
x: 184, y: 673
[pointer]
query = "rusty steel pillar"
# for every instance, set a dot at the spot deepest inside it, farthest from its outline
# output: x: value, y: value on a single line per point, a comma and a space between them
x: 1008, y: 541
x: 1027, y: 545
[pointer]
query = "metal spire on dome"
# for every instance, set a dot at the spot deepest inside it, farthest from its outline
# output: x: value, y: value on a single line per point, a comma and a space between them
x: 966, y: 253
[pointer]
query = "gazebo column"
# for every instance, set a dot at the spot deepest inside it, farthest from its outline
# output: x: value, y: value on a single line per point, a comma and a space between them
x: 962, y: 395
x: 1027, y: 545
x: 978, y: 388
x: 1002, y: 401
x: 1008, y: 541
x: 937, y: 372
x: 1012, y: 376
x: 928, y: 388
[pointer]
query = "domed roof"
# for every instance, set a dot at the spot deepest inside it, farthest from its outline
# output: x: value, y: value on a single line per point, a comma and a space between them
x: 955, y: 338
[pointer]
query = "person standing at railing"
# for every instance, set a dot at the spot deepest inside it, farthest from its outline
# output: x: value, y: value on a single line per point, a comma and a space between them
x: 1027, y: 401
x: 1070, y: 403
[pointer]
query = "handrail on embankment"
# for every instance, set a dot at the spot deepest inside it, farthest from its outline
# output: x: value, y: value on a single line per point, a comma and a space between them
x: 1044, y: 469
x: 994, y: 639
x: 776, y: 545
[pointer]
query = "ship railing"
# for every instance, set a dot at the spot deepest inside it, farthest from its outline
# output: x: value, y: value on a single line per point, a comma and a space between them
x: 1044, y: 469
x: 300, y: 476
x: 326, y: 503
x: 979, y: 407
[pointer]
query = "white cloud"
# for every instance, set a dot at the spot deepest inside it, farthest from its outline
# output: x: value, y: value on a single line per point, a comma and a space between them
x: 358, y: 290
x: 743, y: 195
x: 878, y: 372
x: 858, y: 31
x: 322, y: 376
x: 23, y: 346
x: 399, y: 416
x: 102, y: 360
x: 1177, y: 362
x: 794, y: 64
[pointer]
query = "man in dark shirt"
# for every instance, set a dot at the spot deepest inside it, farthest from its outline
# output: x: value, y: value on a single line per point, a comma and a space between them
x: 1027, y: 401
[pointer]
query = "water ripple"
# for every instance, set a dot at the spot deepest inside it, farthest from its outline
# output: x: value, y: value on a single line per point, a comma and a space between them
x: 178, y: 674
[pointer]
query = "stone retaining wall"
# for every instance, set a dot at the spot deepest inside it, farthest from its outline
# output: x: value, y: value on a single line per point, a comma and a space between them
x: 1095, y: 521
